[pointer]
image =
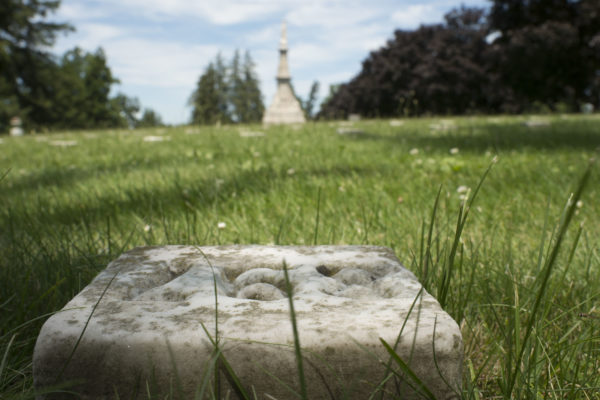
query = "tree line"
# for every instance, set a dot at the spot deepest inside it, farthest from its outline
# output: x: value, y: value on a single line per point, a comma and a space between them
x: 520, y: 56
x: 50, y: 92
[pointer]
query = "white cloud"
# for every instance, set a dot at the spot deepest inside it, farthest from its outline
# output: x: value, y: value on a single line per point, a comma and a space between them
x: 158, y: 63
x: 332, y: 14
x: 71, y: 10
x: 413, y: 16
x: 220, y: 12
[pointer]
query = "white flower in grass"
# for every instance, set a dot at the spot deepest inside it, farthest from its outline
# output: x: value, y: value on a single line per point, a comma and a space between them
x: 462, y: 189
x: 579, y: 204
x: 147, y: 228
x: 454, y: 150
x: 221, y: 225
x: 291, y: 171
x: 414, y: 152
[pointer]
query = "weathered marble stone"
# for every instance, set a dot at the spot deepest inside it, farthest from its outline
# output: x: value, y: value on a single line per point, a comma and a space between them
x: 145, y: 333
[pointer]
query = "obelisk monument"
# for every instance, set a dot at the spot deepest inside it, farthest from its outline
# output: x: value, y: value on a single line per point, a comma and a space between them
x: 285, y: 108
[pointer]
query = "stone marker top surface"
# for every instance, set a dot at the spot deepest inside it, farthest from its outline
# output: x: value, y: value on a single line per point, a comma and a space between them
x: 343, y: 295
x: 172, y: 287
x: 185, y: 273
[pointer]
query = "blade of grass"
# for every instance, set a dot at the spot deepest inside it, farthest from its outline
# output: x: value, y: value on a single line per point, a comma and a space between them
x: 62, y: 371
x: 417, y: 384
x: 5, y: 356
x: 288, y: 289
x: 463, y: 214
x: 547, y: 270
x: 316, y: 235
x: 178, y: 383
x: 225, y: 367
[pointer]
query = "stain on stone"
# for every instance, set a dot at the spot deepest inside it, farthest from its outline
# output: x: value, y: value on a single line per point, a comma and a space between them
x: 323, y: 270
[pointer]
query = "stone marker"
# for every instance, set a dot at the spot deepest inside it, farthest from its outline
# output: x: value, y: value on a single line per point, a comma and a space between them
x: 146, y: 330
x: 353, y: 132
x: 16, y: 128
x: 285, y: 108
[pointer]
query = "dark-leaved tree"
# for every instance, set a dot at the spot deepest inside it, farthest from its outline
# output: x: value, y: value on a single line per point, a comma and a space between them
x: 436, y: 69
x: 547, y: 51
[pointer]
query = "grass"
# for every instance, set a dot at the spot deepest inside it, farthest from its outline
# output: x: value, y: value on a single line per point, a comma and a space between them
x: 528, y: 312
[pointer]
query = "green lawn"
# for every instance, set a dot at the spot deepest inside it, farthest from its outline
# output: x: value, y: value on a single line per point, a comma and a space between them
x: 71, y: 202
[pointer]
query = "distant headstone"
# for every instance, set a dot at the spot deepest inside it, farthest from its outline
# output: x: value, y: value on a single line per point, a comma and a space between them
x: 587, y: 108
x: 15, y: 126
x: 285, y: 108
x: 354, y: 117
x: 145, y: 315
x: 536, y: 123
x: 350, y: 132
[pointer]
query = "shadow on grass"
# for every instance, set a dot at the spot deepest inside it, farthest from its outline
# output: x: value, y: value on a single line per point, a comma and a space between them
x: 179, y: 196
x: 61, y: 177
x: 480, y: 138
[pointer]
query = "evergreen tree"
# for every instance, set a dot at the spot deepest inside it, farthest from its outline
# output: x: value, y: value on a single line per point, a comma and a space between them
x: 254, y: 107
x: 123, y: 112
x: 236, y: 95
x: 149, y: 119
x: 225, y: 95
x: 309, y: 104
x: 98, y: 80
x: 80, y: 99
x: 28, y: 71
x: 209, y: 100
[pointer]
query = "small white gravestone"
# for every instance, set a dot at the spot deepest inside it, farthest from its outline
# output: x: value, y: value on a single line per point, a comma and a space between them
x: 146, y: 334
x: 16, y: 128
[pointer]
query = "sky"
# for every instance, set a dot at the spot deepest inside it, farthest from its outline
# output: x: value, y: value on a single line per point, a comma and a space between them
x: 159, y: 48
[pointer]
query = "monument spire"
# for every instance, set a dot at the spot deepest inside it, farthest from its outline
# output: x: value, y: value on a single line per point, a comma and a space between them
x: 285, y: 108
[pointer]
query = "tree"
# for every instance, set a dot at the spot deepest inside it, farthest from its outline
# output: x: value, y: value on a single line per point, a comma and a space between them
x: 149, y: 119
x: 209, y: 100
x: 309, y: 105
x: 547, y: 51
x: 124, y: 111
x: 27, y: 68
x: 544, y: 52
x: 225, y: 95
x: 236, y: 95
x: 253, y: 108
x: 81, y: 83
x: 436, y: 69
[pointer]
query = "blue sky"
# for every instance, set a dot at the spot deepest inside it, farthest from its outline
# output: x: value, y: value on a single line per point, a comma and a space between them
x: 159, y: 48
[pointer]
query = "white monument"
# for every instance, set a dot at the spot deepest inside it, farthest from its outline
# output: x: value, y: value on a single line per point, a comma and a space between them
x: 285, y: 108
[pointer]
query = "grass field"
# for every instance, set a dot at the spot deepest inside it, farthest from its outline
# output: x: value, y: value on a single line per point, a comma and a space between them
x: 71, y: 202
